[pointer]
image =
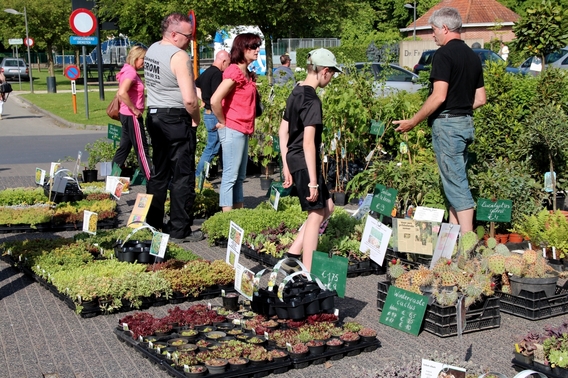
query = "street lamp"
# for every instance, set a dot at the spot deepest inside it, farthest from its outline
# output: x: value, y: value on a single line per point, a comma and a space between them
x: 13, y: 11
x: 408, y: 6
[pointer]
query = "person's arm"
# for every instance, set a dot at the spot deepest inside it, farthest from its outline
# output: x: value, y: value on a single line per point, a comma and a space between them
x: 201, y: 103
x: 432, y: 103
x: 309, y: 146
x: 283, y: 134
x: 181, y: 68
x: 123, y: 96
x: 480, y: 98
x: 226, y: 87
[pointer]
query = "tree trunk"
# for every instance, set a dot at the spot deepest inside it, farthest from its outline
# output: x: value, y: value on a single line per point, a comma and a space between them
x: 268, y: 51
x: 50, y: 63
x: 553, y: 180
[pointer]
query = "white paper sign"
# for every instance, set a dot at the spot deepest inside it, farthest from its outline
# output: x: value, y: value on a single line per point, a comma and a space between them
x: 117, y: 185
x: 364, y: 208
x: 40, y: 176
x: 428, y: 214
x: 90, y: 222
x: 106, y: 168
x: 274, y: 197
x: 244, y: 281
x: 54, y: 167
x: 433, y: 369
x: 159, y: 244
x: 446, y: 241
x: 375, y: 239
x: 234, y: 244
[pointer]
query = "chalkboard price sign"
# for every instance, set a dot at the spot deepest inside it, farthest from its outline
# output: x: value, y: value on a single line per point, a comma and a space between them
x: 383, y: 199
x: 404, y: 310
x: 331, y: 271
x: 494, y: 211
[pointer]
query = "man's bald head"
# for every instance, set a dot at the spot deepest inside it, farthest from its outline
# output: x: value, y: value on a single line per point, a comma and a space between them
x: 222, y: 60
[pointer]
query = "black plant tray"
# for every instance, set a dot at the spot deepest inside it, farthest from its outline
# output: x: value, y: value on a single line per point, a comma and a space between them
x: 273, y: 367
x: 549, y: 373
x: 336, y: 354
x: 92, y: 309
x: 413, y: 263
x: 109, y: 223
x: 207, y: 293
x: 535, y: 306
x: 442, y: 320
x: 355, y: 269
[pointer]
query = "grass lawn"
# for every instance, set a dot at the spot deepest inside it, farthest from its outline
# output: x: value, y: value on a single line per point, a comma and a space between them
x: 61, y: 104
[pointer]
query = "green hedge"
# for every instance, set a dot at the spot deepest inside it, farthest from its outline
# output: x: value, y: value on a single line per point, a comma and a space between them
x: 342, y: 54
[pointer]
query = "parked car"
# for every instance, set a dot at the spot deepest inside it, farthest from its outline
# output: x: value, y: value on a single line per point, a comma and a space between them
x: 12, y: 68
x: 425, y: 61
x: 397, y: 78
x: 557, y: 59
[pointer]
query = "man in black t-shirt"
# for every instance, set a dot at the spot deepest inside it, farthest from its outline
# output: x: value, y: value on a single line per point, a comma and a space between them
x: 456, y: 89
x: 206, y: 85
x: 300, y: 139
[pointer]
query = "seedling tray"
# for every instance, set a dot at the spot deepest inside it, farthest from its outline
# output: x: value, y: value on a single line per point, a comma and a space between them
x: 535, y: 306
x: 550, y: 373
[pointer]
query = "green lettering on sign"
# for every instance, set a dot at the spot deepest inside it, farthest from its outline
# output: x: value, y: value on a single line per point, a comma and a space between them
x: 114, y: 132
x: 331, y: 271
x: 494, y: 211
x: 383, y: 199
x: 377, y: 128
x: 404, y: 310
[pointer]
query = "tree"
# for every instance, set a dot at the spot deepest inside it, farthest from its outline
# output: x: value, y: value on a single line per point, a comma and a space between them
x: 48, y: 24
x: 542, y: 30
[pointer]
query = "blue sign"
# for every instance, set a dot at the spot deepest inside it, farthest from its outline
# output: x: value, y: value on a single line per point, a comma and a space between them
x: 76, y: 40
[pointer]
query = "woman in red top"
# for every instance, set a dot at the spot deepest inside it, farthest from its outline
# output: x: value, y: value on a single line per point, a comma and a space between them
x: 234, y: 105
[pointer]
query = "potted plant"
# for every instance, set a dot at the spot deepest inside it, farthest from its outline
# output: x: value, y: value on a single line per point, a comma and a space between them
x: 367, y: 334
x: 530, y: 272
x: 525, y: 348
x: 99, y: 151
x: 216, y: 365
x: 299, y: 350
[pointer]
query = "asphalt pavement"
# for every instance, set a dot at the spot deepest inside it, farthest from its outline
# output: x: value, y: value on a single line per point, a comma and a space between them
x: 41, y: 337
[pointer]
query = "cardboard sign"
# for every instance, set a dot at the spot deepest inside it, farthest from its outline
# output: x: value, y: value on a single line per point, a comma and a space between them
x: 234, y: 244
x: 140, y: 210
x: 404, y: 310
x: 494, y: 211
x: 383, y: 199
x: 331, y: 271
x: 415, y: 237
x: 375, y: 240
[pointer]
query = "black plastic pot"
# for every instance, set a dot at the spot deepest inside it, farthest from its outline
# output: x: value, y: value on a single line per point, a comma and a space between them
x: 311, y: 304
x: 316, y: 350
x: 296, y: 310
x: 327, y: 300
x: 231, y: 302
x: 90, y: 175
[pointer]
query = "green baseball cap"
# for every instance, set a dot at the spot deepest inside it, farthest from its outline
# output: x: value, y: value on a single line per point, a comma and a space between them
x: 323, y: 58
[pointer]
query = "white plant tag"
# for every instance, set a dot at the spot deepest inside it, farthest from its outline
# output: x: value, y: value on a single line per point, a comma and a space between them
x: 124, y: 327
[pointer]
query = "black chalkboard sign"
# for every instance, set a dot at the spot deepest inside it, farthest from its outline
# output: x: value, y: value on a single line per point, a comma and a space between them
x: 332, y: 271
x: 494, y: 211
x: 404, y: 310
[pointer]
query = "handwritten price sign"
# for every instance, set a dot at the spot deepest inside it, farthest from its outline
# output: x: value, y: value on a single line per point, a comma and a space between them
x: 494, y: 211
x: 383, y: 199
x: 332, y: 271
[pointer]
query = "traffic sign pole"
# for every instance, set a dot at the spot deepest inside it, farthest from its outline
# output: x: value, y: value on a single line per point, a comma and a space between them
x: 74, y: 96
x: 85, y: 81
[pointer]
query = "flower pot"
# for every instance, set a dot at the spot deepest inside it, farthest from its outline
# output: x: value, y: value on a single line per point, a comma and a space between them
x: 296, y: 310
x: 327, y: 300
x: 533, y: 285
x: 340, y: 198
x: 502, y: 238
x: 90, y: 175
x: 215, y: 335
x: 351, y: 342
x: 296, y: 356
x: 258, y: 362
x: 334, y: 344
x: 515, y: 238
x: 528, y: 360
x: 560, y: 372
x: 201, y: 373
x: 311, y: 304
x: 231, y: 302
x: 224, y: 327
x: 265, y: 183
x: 316, y: 350
x: 217, y: 365
x: 238, y: 363
x: 541, y: 367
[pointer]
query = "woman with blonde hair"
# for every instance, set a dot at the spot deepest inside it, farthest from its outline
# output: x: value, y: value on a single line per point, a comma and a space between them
x: 131, y: 95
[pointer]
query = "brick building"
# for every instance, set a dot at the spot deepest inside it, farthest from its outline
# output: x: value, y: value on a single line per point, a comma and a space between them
x: 482, y: 19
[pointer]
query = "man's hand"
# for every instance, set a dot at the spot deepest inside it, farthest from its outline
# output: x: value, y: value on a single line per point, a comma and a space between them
x: 404, y: 125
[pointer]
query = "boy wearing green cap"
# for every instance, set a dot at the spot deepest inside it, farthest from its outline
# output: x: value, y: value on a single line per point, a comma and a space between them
x: 300, y: 139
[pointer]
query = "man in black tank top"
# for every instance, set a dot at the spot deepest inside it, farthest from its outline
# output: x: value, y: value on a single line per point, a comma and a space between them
x: 456, y: 89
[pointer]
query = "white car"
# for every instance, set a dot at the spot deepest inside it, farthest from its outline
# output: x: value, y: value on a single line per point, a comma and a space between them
x: 397, y: 78
x: 557, y: 59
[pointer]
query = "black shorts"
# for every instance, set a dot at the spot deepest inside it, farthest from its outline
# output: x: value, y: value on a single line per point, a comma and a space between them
x: 301, y: 180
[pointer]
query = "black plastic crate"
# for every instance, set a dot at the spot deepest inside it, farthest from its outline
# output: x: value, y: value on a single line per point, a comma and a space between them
x: 446, y: 315
x: 535, y: 306
x: 471, y: 326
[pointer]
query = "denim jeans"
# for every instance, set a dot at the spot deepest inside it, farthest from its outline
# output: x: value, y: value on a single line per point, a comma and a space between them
x: 450, y: 139
x: 213, y: 143
x: 235, y: 156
